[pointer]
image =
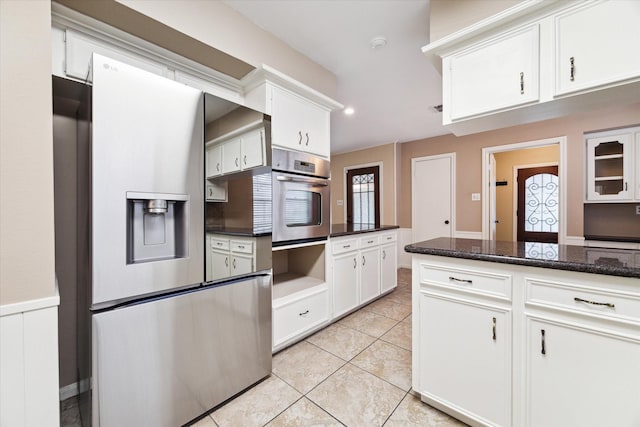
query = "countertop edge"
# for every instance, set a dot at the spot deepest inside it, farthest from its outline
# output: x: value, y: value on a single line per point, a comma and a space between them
x: 530, y: 262
x: 370, y: 230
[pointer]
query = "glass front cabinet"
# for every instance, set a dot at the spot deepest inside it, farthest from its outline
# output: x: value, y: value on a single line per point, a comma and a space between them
x: 610, y: 166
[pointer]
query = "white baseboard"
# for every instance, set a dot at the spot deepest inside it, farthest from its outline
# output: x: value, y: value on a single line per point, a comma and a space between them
x: 468, y: 234
x: 574, y: 240
x: 74, y: 389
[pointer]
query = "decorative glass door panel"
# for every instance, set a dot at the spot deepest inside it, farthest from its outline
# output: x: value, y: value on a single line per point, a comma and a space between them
x: 609, y: 168
x: 538, y: 204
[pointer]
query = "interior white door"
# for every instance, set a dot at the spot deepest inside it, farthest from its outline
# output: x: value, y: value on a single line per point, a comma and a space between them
x: 432, y: 194
x: 492, y: 196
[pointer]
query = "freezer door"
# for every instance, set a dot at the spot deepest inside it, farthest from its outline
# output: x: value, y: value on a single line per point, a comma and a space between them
x: 147, y: 184
x: 164, y: 362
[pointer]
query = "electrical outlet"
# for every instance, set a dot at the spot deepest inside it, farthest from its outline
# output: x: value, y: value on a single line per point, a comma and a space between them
x: 475, y: 196
x: 340, y: 202
x: 637, y: 209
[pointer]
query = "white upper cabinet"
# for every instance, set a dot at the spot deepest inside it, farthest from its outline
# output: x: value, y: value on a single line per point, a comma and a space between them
x: 597, y: 43
x: 298, y: 124
x: 232, y: 154
x: 300, y: 115
x: 539, y: 60
x: 500, y: 73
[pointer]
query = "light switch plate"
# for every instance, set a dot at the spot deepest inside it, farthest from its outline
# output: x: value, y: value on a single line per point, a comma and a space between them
x: 475, y: 196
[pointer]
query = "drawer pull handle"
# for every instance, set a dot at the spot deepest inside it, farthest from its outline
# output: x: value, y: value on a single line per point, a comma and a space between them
x: 346, y: 246
x: 542, y: 343
x: 572, y: 75
x: 234, y: 263
x: 606, y: 304
x: 241, y: 246
x: 521, y: 83
x: 455, y: 279
x: 369, y: 241
x: 304, y: 313
x: 494, y: 328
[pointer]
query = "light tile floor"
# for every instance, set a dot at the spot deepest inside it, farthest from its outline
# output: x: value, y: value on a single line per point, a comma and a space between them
x: 355, y: 372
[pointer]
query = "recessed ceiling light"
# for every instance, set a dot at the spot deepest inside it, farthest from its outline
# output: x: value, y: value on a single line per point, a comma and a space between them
x: 349, y: 111
x: 378, y: 42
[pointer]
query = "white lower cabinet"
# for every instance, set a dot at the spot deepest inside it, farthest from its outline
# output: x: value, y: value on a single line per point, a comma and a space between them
x: 300, y: 315
x: 369, y: 274
x: 230, y: 257
x: 465, y: 357
x: 580, y: 376
x: 345, y: 283
x: 360, y: 271
x: 501, y: 344
x: 388, y: 267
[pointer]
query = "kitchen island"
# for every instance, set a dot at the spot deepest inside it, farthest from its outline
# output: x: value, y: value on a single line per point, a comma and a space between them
x: 518, y: 333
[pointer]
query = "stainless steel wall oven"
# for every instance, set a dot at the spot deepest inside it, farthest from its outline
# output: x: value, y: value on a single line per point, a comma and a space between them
x: 301, y: 197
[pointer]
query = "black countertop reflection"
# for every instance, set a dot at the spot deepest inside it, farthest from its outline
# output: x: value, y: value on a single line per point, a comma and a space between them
x: 338, y: 230
x: 613, y: 262
x: 235, y: 231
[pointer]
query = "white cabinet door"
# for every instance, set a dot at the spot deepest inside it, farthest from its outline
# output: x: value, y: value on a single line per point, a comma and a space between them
x: 252, y: 149
x: 219, y: 265
x: 213, y: 163
x: 388, y: 267
x: 498, y: 74
x: 299, y: 124
x: 345, y: 283
x: 637, y: 161
x: 597, y: 43
x: 241, y: 265
x: 231, y: 156
x: 465, y: 357
x: 610, y: 167
x: 369, y: 274
x: 580, y: 377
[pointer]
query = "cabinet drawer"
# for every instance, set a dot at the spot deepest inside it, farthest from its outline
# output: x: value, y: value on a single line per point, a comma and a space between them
x: 243, y: 247
x: 346, y: 245
x: 299, y: 316
x: 388, y: 238
x: 368, y: 241
x: 473, y: 281
x: 569, y: 297
x: 220, y: 244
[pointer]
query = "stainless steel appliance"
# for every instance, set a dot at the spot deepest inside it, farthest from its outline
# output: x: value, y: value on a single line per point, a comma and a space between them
x: 301, y: 197
x: 160, y: 345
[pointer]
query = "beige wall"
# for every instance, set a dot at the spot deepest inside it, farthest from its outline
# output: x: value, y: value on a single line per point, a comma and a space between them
x: 468, y: 151
x: 218, y: 25
x: 385, y: 155
x: 449, y: 16
x: 505, y: 163
x: 26, y: 152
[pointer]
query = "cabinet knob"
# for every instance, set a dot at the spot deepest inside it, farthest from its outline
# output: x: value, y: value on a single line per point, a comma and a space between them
x: 446, y: 222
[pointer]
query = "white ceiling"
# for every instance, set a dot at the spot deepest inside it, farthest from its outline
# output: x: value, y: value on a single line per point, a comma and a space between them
x: 392, y: 88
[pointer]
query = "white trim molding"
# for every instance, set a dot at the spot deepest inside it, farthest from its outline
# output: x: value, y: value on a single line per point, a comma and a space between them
x: 574, y: 240
x: 561, y: 141
x: 468, y: 234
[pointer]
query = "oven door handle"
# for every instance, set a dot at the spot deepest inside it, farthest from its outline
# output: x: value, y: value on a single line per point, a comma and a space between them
x: 319, y: 182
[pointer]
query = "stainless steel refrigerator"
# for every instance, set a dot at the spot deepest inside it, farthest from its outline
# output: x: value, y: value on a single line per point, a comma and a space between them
x: 160, y: 345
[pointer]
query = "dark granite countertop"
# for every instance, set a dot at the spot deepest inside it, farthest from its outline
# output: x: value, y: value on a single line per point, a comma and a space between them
x: 232, y: 231
x: 338, y: 230
x: 613, y: 262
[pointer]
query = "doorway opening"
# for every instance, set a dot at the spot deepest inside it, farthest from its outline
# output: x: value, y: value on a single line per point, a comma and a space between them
x: 500, y: 170
x: 363, y: 196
